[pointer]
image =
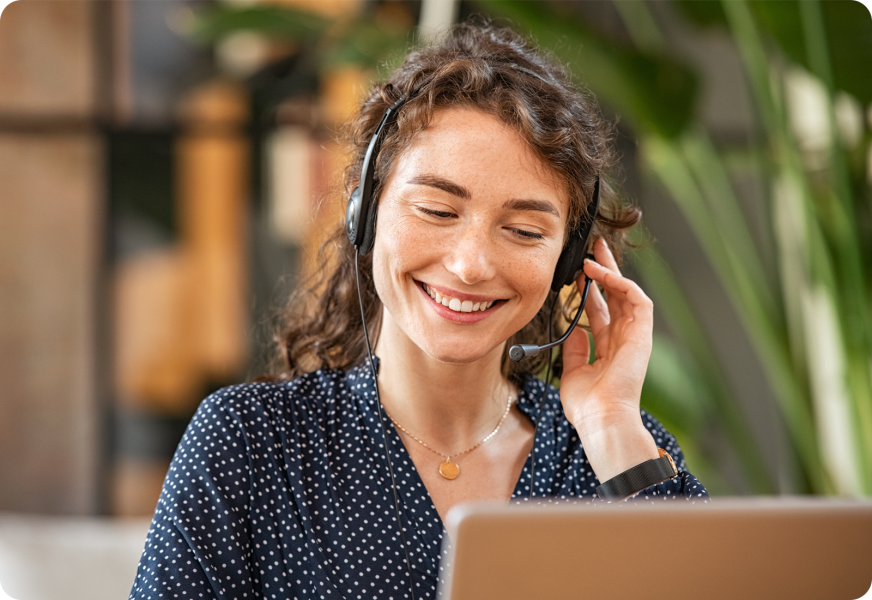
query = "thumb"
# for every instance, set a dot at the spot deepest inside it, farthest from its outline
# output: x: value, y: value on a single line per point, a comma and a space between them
x: 576, y: 350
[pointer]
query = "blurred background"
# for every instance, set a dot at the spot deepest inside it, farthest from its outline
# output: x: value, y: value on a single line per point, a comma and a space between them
x: 168, y: 169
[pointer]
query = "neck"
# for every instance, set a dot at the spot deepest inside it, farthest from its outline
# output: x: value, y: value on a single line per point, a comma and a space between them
x: 448, y: 405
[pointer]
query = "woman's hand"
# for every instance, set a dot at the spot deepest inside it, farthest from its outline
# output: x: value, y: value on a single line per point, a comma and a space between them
x: 601, y: 399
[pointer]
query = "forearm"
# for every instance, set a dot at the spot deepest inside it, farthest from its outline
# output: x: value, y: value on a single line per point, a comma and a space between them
x: 614, y: 443
x: 683, y: 487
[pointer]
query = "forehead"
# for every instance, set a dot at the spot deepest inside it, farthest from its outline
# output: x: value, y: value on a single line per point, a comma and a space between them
x: 483, y: 154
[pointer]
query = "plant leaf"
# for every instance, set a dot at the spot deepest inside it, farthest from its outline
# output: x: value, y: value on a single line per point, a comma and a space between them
x: 653, y: 91
x: 848, y: 27
x: 273, y: 21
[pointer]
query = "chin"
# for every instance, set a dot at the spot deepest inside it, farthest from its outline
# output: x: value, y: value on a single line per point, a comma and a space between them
x: 459, y: 352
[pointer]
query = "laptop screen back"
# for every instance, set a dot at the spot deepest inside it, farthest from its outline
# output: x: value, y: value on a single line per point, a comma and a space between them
x: 732, y: 548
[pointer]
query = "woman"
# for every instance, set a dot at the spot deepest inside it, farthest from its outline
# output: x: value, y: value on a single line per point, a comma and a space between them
x: 483, y: 172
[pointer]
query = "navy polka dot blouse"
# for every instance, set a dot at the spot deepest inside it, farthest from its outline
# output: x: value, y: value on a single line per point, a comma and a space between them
x: 281, y: 490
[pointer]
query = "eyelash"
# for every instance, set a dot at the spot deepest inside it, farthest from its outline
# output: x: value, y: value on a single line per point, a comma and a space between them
x: 447, y: 215
x: 437, y: 213
x: 528, y: 234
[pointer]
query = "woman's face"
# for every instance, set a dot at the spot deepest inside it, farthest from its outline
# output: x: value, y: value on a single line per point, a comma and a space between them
x: 470, y: 227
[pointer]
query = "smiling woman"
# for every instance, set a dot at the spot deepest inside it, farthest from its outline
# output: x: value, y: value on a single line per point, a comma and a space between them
x: 481, y: 159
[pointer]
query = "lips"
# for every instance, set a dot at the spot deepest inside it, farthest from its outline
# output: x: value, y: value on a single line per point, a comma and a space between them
x: 457, y: 304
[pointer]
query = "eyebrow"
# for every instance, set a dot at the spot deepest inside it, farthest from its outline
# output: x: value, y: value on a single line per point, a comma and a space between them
x: 461, y: 192
x: 442, y: 184
x: 540, y: 205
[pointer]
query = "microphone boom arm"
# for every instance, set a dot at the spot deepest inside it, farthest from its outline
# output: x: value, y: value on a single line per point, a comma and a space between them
x: 519, y: 352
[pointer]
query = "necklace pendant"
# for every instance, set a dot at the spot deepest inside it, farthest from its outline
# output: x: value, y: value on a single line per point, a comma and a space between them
x: 448, y: 469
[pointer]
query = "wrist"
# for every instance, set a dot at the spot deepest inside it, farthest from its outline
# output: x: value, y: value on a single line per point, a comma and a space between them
x: 615, y: 444
x: 636, y: 479
x: 597, y: 423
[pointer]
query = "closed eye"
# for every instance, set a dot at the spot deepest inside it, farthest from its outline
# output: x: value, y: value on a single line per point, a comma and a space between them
x: 439, y: 214
x: 526, y: 234
x: 436, y: 213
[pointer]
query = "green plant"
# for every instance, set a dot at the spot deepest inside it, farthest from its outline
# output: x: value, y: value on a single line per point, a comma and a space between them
x: 356, y: 39
x: 810, y: 326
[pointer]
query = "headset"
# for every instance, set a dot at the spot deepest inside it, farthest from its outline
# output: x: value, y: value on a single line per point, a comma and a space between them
x: 360, y: 224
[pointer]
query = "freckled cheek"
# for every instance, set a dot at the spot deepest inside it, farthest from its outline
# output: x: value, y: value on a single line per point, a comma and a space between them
x: 532, y: 278
x: 399, y: 250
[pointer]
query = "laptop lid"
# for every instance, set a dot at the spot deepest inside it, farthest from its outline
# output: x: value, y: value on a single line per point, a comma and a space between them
x: 788, y: 547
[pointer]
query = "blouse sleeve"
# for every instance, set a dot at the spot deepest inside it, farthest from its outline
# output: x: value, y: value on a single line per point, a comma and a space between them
x: 199, y: 545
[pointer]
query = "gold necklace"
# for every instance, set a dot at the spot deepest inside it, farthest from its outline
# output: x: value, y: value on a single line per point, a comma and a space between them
x: 448, y: 468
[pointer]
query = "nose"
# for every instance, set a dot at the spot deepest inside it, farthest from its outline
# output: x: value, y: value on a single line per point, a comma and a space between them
x: 471, y: 256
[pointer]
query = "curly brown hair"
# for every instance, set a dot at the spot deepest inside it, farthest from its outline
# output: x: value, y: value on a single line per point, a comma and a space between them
x: 475, y: 65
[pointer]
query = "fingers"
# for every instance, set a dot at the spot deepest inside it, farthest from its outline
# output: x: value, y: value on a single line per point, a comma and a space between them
x: 598, y: 316
x: 621, y: 322
x: 604, y: 256
x: 625, y: 298
x: 576, y: 350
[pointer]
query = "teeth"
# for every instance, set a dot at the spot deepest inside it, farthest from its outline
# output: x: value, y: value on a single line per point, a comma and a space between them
x: 456, y: 304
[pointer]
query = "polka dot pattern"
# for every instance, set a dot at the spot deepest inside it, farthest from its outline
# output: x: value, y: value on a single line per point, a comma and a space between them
x: 281, y: 490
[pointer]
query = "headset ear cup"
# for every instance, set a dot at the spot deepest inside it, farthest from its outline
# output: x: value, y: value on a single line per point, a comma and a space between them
x: 352, y: 217
x: 367, y: 233
x: 571, y: 260
x: 570, y: 263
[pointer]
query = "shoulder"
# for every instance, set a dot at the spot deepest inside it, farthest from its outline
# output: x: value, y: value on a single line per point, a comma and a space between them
x: 313, y: 389
x: 260, y: 406
x: 257, y: 420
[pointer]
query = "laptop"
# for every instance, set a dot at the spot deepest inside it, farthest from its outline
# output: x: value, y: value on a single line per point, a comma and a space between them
x: 733, y: 548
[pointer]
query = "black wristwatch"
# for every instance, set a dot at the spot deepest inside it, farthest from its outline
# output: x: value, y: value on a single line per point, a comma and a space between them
x: 634, y: 480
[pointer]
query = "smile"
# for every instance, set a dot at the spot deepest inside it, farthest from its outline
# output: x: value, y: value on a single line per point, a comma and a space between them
x: 456, y: 304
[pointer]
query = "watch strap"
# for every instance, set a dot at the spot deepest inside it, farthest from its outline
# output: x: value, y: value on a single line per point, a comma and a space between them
x: 634, y: 480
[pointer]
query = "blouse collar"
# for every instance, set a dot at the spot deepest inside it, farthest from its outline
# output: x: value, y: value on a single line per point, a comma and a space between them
x: 529, y: 399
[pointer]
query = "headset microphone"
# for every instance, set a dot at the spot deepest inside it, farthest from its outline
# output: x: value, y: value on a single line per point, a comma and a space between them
x: 569, y: 267
x: 519, y: 352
